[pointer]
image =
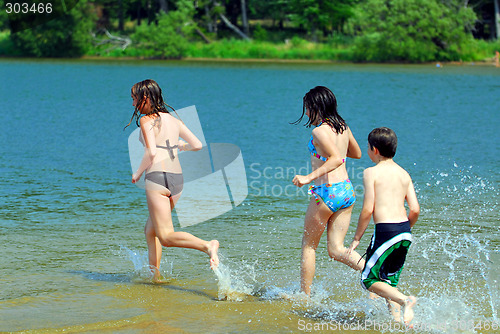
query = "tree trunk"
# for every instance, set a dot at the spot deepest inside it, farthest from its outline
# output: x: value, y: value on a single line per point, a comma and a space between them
x: 138, y: 13
x: 233, y: 27
x: 150, y: 12
x: 205, y: 38
x: 210, y: 27
x: 244, y: 19
x: 120, y: 15
x: 497, y: 17
x: 163, y: 6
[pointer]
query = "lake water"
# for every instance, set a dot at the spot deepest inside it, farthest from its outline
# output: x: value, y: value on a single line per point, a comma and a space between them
x: 73, y: 255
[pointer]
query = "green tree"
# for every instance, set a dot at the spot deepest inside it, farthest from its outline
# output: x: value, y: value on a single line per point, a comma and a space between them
x: 320, y: 18
x: 66, y: 36
x: 411, y: 30
x: 169, y: 36
x: 488, y: 12
x: 4, y: 18
x: 276, y: 10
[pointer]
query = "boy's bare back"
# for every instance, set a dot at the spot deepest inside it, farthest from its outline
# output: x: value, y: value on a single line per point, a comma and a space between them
x: 389, y: 185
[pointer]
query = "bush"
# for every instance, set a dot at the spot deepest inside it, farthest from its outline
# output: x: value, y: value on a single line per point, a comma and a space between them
x: 168, y: 38
x: 260, y: 34
x: 66, y: 36
x: 410, y: 30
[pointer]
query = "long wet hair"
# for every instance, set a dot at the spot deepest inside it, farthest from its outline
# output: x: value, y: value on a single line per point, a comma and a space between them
x: 322, y: 105
x: 144, y: 90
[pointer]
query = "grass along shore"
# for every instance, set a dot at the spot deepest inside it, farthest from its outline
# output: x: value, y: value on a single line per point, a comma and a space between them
x: 295, y: 49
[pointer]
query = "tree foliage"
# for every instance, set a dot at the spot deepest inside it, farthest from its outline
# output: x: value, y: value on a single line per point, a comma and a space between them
x: 412, y: 30
x: 67, y: 36
x: 4, y: 18
x: 169, y: 36
x: 368, y: 30
x: 320, y: 18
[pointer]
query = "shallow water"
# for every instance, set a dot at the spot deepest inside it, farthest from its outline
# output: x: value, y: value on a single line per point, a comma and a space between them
x: 73, y: 256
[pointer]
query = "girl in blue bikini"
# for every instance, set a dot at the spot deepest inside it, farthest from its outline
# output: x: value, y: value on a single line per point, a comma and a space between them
x: 333, y: 195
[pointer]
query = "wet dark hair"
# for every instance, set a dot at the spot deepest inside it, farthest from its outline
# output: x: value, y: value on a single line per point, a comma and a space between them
x: 385, y: 140
x: 144, y: 90
x: 322, y: 104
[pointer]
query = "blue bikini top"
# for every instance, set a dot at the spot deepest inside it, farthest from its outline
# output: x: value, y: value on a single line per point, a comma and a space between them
x: 313, y: 151
x: 312, y: 148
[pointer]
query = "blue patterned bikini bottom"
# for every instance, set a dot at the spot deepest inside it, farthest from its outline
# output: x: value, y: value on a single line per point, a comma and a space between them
x: 335, y: 195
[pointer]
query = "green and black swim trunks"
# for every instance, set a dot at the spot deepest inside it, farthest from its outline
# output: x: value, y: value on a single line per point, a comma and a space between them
x: 386, y: 254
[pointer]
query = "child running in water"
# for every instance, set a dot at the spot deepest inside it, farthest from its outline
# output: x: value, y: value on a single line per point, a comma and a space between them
x: 331, y: 143
x: 160, y: 134
x: 387, y: 186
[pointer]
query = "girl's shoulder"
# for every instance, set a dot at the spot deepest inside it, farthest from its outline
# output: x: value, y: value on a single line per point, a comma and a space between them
x: 321, y: 132
x: 167, y: 117
x: 144, y: 120
x: 327, y: 130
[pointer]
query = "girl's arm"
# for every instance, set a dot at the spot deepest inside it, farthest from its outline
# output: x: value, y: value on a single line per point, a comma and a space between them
x: 192, y: 143
x: 367, y: 210
x: 331, y: 153
x: 148, y: 134
x: 353, y: 150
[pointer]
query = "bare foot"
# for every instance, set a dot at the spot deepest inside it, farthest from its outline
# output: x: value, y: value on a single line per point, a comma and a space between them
x: 408, y: 312
x: 395, y: 310
x: 155, y: 273
x: 300, y: 297
x: 213, y: 247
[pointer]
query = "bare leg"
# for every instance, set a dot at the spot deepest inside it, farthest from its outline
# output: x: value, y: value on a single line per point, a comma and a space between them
x: 338, y: 225
x: 154, y: 249
x: 314, y: 225
x: 392, y: 294
x: 154, y: 245
x: 395, y: 310
x: 159, y: 206
x: 213, y: 247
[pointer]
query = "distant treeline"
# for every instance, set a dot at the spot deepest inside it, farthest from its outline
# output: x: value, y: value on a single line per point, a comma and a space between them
x: 355, y: 30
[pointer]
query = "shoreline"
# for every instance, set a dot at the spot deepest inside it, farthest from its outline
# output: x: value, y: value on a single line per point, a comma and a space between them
x: 486, y: 62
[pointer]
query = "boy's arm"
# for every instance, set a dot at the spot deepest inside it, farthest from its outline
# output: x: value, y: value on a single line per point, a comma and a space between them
x: 411, y: 199
x: 368, y: 207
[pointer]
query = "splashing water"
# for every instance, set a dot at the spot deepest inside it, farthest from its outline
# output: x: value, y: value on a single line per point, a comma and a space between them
x: 142, y: 270
x: 235, y: 283
x: 452, y: 267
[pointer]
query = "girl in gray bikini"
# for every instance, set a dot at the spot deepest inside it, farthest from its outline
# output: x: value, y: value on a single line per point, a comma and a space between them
x: 160, y: 134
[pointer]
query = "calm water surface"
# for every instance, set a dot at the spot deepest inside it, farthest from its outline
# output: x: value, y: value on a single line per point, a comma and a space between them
x: 73, y: 256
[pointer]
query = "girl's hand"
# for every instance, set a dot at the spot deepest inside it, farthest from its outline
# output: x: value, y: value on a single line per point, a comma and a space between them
x: 182, y: 145
x: 300, y: 180
x: 353, y: 246
x: 135, y: 178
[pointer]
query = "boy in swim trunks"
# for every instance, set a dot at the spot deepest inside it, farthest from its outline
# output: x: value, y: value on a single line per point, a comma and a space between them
x: 387, y: 186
